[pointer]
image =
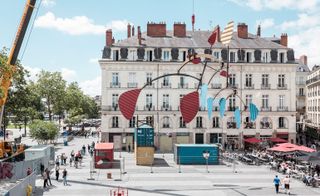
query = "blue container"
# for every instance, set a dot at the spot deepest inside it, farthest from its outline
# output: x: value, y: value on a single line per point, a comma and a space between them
x: 144, y: 136
x: 192, y: 154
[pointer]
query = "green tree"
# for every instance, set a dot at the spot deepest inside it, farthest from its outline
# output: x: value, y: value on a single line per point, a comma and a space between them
x: 43, y: 131
x: 51, y: 86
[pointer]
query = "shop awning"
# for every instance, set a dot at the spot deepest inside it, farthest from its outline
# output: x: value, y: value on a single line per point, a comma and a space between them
x: 252, y: 140
x: 277, y: 140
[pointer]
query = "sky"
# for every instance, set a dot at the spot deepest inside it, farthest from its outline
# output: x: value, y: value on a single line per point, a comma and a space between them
x: 69, y: 35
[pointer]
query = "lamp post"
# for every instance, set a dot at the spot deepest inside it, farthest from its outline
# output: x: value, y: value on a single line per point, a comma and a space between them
x: 206, y: 155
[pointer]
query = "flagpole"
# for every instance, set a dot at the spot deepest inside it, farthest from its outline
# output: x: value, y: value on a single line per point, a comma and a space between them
x: 227, y: 84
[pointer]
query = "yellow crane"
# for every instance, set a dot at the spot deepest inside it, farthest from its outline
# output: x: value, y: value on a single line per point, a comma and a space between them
x: 5, y: 80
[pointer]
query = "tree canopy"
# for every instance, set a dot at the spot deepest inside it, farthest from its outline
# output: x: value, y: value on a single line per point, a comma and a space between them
x: 43, y: 131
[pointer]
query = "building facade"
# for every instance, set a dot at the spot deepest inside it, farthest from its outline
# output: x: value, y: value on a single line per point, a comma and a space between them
x: 312, y: 124
x: 262, y: 69
x: 301, y: 79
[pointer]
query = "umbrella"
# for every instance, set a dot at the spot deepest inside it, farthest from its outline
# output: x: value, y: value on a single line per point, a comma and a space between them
x: 278, y: 140
x: 252, y: 140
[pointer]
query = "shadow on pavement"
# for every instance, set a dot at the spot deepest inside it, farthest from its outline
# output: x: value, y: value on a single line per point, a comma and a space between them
x: 160, y: 162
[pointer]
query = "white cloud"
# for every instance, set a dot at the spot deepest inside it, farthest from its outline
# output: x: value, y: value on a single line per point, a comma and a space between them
x: 78, y: 25
x: 278, y: 4
x: 304, y: 21
x: 68, y: 74
x: 48, y: 3
x: 91, y: 87
x: 306, y: 42
x: 33, y: 71
x: 93, y: 60
x: 266, y: 23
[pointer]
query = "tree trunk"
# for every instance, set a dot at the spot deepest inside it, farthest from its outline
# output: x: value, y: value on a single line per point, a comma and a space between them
x: 49, y: 108
x: 25, y: 126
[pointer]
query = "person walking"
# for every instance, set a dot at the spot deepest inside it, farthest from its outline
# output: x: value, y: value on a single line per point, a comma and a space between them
x: 84, y: 149
x: 64, y: 175
x: 65, y: 159
x: 286, y: 182
x: 129, y: 148
x: 45, y: 179
x: 48, y: 177
x: 88, y: 148
x: 57, y: 173
x: 276, y: 182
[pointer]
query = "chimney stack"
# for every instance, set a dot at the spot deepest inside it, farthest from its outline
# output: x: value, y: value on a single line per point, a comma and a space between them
x: 179, y: 30
x: 132, y: 30
x: 109, y: 37
x: 218, y: 31
x: 129, y: 30
x: 284, y: 39
x: 259, y: 31
x: 304, y: 59
x: 242, y: 30
x: 139, y: 35
x: 156, y: 29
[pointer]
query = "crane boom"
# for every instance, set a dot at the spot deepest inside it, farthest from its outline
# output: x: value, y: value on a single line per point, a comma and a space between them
x: 5, y: 80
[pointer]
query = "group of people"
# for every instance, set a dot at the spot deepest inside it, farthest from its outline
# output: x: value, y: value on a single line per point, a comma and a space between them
x: 285, y: 182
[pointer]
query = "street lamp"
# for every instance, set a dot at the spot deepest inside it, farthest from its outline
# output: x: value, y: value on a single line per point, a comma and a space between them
x: 206, y: 155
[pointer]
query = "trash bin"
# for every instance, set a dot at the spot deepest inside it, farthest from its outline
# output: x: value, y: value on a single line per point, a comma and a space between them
x: 109, y: 176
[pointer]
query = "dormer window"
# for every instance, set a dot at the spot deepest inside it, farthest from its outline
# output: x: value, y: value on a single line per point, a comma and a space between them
x: 249, y: 57
x: 149, y: 55
x: 281, y: 57
x: 166, y: 55
x: 265, y: 57
x: 116, y: 55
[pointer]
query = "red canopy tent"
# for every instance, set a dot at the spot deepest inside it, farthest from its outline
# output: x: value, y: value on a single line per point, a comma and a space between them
x: 252, y: 140
x: 277, y: 140
x: 288, y: 147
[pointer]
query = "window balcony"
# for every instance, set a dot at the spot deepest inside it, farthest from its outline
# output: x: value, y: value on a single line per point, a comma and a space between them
x: 165, y: 125
x: 115, y: 85
x: 215, y: 126
x: 282, y: 86
x: 265, y: 86
x: 249, y: 86
x: 115, y: 125
x: 165, y: 85
x: 182, y: 85
x: 115, y: 107
x: 202, y: 108
x: 265, y: 125
x: 149, y: 85
x: 149, y: 107
x: 231, y: 125
x: 282, y: 109
x: 249, y: 125
x: 283, y: 127
x: 106, y: 108
x: 233, y: 85
x: 166, y: 108
x: 199, y: 126
x: 132, y: 85
x: 266, y: 109
x: 216, y: 86
x: 231, y: 108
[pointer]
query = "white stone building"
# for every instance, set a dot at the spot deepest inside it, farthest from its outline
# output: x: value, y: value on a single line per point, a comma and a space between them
x: 262, y: 69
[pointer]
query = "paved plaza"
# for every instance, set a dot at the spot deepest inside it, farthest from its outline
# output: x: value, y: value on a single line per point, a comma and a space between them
x: 164, y: 178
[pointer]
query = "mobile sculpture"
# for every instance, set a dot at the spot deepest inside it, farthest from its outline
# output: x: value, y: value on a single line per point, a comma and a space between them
x: 190, y: 103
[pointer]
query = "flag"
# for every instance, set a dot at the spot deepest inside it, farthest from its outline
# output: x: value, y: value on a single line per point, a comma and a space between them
x: 237, y: 117
x: 253, y: 112
x: 223, y: 73
x: 213, y: 37
x: 222, y: 106
x: 189, y: 106
x: 203, y: 95
x: 127, y: 102
x: 226, y: 35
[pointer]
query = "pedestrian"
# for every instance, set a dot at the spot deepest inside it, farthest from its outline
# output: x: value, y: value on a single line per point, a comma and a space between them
x: 48, y: 177
x: 70, y: 161
x: 84, y: 149
x: 64, y: 175
x: 88, y: 148
x: 276, y: 182
x: 45, y: 179
x: 91, y: 152
x: 61, y: 158
x: 286, y: 182
x: 57, y: 173
x: 76, y: 159
x: 41, y: 168
x: 129, y: 148
x: 65, y: 159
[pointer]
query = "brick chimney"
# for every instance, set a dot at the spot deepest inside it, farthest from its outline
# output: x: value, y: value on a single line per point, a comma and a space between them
x: 218, y: 31
x: 179, y: 30
x: 129, y: 30
x: 109, y: 37
x: 242, y: 30
x: 284, y: 39
x: 156, y: 29
x: 139, y: 35
x: 304, y: 59
x: 132, y: 30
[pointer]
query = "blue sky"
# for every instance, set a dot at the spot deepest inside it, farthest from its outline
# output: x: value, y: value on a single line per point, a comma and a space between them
x: 68, y: 35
